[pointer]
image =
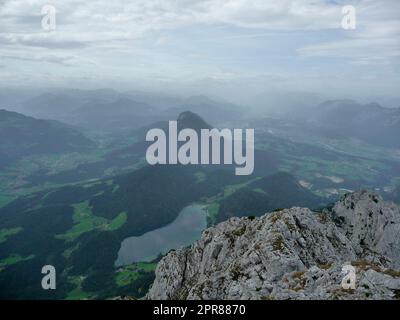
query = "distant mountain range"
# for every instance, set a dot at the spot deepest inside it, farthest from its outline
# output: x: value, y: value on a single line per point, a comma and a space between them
x: 26, y: 136
x: 349, y: 119
x: 222, y: 113
x: 121, y: 159
x: 125, y: 152
x: 109, y: 110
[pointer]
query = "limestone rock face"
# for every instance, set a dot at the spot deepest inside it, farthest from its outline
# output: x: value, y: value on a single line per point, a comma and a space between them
x: 372, y: 225
x: 290, y: 254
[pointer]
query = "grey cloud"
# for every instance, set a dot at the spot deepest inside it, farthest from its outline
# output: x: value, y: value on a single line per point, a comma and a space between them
x: 65, y: 61
x: 91, y: 21
x: 120, y: 36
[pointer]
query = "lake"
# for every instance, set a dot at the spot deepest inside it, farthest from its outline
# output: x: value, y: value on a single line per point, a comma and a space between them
x: 183, y: 231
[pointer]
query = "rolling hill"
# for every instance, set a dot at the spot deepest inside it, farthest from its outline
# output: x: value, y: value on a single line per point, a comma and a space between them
x: 26, y: 136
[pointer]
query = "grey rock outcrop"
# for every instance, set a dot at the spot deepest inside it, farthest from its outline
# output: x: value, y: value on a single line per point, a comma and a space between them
x: 371, y: 224
x: 290, y: 254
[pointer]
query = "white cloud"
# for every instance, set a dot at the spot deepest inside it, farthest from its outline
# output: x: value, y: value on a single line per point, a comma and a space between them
x: 89, y: 20
x: 377, y: 34
x: 354, y: 48
x: 83, y: 23
x: 126, y: 39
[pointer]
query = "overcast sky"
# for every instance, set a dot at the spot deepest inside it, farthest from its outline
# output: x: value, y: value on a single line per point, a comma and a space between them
x: 225, y: 45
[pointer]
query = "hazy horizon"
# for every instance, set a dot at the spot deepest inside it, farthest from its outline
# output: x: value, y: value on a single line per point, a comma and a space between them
x: 242, y: 51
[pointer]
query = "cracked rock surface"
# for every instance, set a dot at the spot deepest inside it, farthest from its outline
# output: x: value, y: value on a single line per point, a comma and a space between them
x: 291, y: 254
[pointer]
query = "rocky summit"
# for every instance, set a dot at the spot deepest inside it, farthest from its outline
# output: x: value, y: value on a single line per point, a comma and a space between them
x: 291, y: 254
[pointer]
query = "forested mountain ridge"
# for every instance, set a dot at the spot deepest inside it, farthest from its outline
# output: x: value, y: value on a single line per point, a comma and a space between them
x: 21, y: 136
